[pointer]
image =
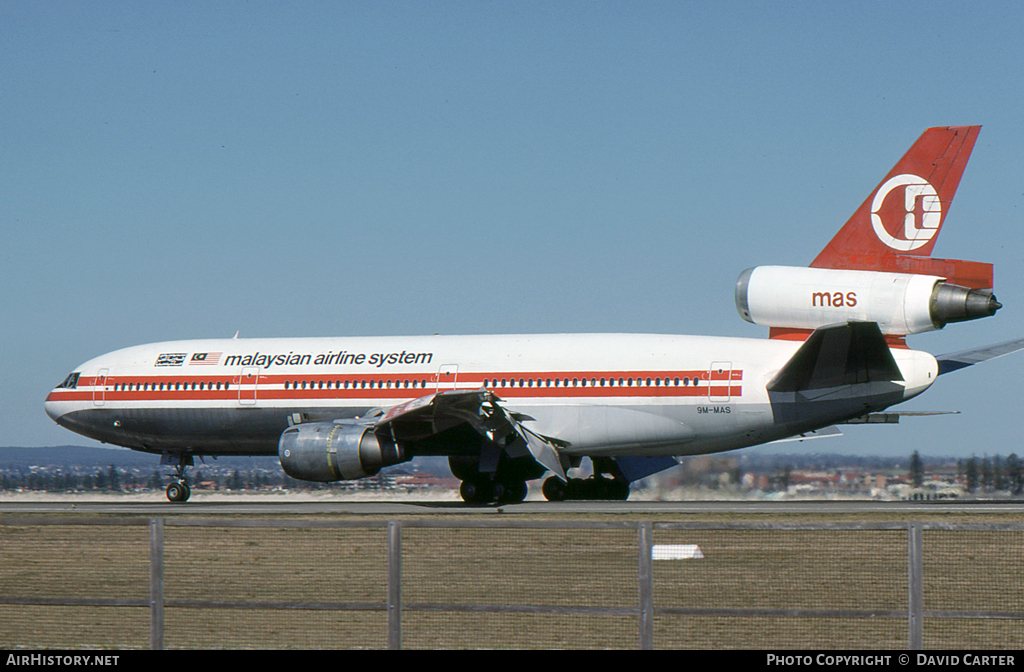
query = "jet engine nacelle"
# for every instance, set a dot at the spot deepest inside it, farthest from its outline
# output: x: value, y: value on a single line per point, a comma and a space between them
x: 335, y: 451
x: 901, y: 303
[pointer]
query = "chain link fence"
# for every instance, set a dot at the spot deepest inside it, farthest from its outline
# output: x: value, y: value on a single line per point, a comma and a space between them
x: 200, y: 583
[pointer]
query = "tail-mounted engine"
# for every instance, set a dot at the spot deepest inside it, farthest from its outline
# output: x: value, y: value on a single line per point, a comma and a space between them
x: 901, y: 303
x: 335, y: 451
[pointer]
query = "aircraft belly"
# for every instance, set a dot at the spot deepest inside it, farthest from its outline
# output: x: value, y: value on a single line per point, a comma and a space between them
x: 207, y: 431
x: 669, y: 429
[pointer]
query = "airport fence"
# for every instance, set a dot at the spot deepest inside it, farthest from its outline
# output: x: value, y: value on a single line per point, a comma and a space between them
x: 497, y: 583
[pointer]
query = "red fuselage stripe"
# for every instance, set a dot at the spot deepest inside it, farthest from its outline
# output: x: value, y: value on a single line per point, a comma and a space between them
x: 368, y: 386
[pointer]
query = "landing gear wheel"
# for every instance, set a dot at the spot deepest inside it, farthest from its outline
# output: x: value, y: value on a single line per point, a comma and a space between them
x: 475, y: 492
x: 510, y: 493
x: 178, y: 492
x: 554, y: 489
x: 619, y: 490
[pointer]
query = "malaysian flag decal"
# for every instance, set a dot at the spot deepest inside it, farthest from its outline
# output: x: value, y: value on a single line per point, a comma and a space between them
x: 205, y: 358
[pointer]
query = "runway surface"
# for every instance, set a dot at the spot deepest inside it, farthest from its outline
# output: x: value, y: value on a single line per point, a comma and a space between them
x: 274, y: 506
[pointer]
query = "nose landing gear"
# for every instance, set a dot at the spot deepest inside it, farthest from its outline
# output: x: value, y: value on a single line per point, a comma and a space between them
x: 178, y: 490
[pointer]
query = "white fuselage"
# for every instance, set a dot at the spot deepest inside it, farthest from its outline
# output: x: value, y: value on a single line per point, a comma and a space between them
x: 604, y: 394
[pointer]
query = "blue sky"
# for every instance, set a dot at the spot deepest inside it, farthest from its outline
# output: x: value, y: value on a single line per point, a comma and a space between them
x: 180, y: 170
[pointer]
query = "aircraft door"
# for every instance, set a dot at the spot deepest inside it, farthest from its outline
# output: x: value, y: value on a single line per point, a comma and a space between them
x: 719, y: 377
x: 247, y: 385
x: 446, y: 377
x: 99, y: 387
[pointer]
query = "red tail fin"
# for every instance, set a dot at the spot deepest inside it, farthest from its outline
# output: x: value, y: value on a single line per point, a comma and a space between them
x: 896, y: 227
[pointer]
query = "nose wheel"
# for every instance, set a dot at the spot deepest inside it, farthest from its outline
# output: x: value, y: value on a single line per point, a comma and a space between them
x: 178, y: 490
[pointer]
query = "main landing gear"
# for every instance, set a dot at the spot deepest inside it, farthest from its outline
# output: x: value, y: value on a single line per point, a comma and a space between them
x: 178, y: 490
x: 483, y: 491
x: 502, y: 480
x: 595, y: 487
x: 608, y: 483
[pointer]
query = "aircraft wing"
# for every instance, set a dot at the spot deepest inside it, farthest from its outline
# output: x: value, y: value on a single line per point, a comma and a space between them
x: 964, y: 358
x: 480, y: 409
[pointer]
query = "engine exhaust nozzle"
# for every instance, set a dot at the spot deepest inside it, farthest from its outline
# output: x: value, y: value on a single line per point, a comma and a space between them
x: 953, y: 303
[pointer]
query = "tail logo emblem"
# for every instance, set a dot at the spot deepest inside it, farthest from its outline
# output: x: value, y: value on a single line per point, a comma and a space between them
x: 914, y: 234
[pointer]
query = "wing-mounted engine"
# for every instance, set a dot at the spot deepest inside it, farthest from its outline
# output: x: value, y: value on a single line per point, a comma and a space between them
x: 336, y: 451
x: 900, y: 303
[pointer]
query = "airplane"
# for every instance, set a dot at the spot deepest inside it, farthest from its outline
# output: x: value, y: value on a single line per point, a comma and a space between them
x: 507, y: 409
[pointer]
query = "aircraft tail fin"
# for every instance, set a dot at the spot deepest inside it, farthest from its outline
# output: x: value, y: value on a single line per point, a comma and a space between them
x: 897, y: 225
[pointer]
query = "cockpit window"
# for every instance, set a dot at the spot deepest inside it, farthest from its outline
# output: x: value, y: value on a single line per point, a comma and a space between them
x: 71, y: 382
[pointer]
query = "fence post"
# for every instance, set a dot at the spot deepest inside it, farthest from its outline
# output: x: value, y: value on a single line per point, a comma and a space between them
x: 915, y: 581
x: 156, y: 584
x: 394, y: 585
x: 646, y: 580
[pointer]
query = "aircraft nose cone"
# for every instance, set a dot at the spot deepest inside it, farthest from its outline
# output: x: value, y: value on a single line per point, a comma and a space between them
x: 52, y: 410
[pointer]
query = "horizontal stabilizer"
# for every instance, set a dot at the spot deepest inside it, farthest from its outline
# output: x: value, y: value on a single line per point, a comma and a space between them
x: 836, y: 355
x: 960, y: 360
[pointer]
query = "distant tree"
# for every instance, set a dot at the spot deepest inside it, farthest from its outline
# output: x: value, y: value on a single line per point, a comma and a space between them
x: 1014, y: 474
x: 971, y: 472
x: 236, y: 481
x: 998, y: 473
x: 155, y: 482
x: 114, y: 478
x: 986, y: 473
x: 916, y: 469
